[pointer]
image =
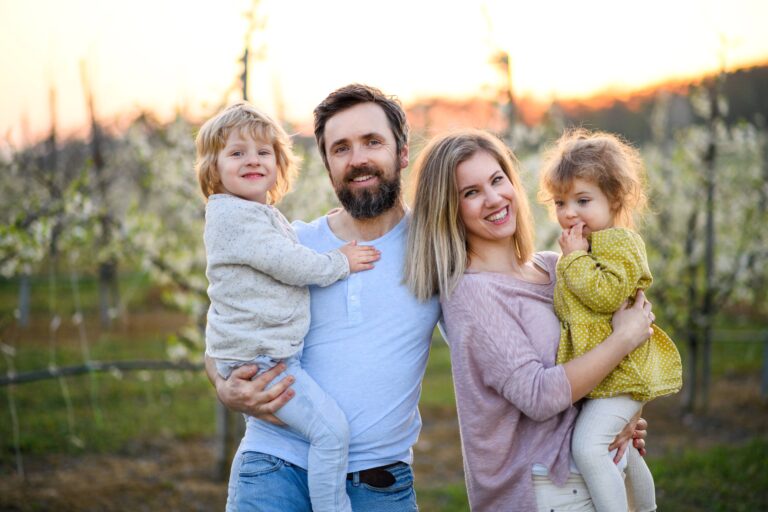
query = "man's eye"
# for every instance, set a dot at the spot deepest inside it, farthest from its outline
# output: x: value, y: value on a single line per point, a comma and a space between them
x: 339, y: 149
x: 374, y: 142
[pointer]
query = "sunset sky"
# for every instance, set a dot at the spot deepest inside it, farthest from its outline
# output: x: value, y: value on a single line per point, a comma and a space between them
x: 163, y: 55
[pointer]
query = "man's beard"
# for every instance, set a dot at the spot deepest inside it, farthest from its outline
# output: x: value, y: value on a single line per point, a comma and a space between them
x: 370, y: 202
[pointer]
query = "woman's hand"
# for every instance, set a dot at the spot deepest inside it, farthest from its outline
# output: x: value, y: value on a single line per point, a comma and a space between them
x: 242, y: 394
x: 633, y: 323
x: 636, y: 431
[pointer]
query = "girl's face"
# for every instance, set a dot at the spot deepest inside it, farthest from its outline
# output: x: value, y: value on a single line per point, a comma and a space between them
x: 487, y: 199
x: 584, y: 203
x: 247, y: 167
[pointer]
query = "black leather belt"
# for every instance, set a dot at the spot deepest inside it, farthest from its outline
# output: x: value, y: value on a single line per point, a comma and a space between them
x: 376, y: 477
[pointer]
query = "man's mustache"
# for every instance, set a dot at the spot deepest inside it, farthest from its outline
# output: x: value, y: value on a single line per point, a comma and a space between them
x: 362, y: 171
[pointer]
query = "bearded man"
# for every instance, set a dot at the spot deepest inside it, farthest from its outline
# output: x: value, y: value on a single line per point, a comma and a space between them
x: 369, y: 337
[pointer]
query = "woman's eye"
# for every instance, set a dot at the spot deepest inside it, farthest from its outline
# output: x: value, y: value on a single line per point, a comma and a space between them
x: 470, y: 193
x: 582, y: 202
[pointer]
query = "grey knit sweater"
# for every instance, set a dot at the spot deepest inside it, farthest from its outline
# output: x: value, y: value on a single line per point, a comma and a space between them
x: 258, y: 274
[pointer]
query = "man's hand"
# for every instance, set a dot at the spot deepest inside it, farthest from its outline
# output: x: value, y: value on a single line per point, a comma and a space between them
x: 636, y: 430
x: 242, y: 394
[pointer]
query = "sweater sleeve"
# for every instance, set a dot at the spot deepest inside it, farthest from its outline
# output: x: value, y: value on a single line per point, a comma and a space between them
x: 503, y: 357
x: 239, y: 234
x: 607, y: 275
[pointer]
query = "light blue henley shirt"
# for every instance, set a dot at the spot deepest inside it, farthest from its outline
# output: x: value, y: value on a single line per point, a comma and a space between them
x: 367, y: 347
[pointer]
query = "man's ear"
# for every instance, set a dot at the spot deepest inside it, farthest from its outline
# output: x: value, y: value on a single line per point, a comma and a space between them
x: 404, y: 156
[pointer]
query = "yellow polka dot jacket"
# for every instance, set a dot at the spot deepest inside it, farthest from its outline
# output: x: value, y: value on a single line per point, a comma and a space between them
x: 590, y: 288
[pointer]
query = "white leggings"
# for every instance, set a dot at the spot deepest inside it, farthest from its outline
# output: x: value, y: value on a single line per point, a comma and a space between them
x: 598, y: 423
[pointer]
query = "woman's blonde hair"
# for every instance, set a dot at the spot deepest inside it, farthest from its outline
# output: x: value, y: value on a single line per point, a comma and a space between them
x: 603, y: 159
x: 212, y: 138
x: 437, y: 240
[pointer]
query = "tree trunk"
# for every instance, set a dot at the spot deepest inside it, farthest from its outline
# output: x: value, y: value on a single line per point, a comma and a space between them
x: 707, y: 310
x: 689, y: 401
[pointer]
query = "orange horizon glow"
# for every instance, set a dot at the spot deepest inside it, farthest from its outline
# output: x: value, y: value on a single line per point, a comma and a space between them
x: 166, y: 56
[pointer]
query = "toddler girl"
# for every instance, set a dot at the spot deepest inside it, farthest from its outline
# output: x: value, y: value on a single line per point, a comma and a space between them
x: 595, y: 182
x: 258, y: 275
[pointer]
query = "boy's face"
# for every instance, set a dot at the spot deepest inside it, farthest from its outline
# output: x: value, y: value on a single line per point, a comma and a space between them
x: 247, y: 167
x: 584, y: 204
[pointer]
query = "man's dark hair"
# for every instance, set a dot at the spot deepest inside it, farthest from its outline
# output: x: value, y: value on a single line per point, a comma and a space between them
x: 355, y: 94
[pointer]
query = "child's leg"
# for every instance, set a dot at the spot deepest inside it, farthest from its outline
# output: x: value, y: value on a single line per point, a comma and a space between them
x: 641, y: 491
x: 598, y: 424
x: 316, y: 416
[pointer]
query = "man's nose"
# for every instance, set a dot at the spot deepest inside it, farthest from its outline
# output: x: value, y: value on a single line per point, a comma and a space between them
x: 359, y: 156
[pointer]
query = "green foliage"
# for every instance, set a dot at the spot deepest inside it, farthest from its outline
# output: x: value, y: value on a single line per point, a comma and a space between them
x: 724, y: 478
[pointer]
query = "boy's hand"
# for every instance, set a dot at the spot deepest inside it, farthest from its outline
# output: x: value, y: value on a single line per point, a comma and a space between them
x: 573, y: 240
x: 360, y: 257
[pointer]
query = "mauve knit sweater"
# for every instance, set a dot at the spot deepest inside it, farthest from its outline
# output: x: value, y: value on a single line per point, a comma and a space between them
x: 513, y: 402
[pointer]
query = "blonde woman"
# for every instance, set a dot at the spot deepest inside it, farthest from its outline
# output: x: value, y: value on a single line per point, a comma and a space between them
x: 471, y: 242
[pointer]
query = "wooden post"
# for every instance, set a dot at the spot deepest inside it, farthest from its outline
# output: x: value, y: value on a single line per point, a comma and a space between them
x: 24, y: 299
x: 764, y: 386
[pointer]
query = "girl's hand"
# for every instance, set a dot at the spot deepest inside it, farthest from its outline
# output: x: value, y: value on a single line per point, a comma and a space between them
x: 360, y: 257
x: 633, y: 323
x: 573, y: 240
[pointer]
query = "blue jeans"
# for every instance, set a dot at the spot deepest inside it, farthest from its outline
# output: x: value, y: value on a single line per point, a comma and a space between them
x: 264, y: 483
x: 315, y: 416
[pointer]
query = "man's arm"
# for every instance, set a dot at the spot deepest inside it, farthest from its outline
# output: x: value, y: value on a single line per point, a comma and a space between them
x: 242, y: 394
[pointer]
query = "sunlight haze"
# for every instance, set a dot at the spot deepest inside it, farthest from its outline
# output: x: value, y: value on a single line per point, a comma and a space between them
x: 166, y: 55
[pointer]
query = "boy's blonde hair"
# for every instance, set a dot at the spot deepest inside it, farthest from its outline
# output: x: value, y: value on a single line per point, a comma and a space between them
x: 603, y: 159
x: 212, y: 138
x: 437, y: 253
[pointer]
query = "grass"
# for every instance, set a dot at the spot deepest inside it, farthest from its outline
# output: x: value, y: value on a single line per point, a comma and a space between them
x: 133, y: 286
x: 112, y: 413
x: 721, y: 479
x: 450, y: 497
x: 437, y: 387
x: 107, y: 412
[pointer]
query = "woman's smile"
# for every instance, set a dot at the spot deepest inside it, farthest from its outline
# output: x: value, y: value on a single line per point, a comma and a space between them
x: 499, y: 216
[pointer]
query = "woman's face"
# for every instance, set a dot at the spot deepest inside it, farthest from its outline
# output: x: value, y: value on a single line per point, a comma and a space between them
x: 487, y: 199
